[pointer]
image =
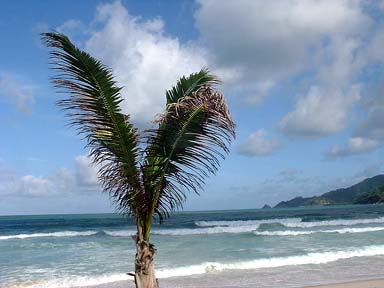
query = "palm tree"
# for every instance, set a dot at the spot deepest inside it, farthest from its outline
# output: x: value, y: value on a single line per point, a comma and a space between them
x: 146, y: 175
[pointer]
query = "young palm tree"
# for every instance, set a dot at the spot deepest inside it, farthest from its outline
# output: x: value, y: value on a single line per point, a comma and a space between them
x: 145, y: 176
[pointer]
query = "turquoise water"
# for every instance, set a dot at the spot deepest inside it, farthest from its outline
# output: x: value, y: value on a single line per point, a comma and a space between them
x: 76, y: 250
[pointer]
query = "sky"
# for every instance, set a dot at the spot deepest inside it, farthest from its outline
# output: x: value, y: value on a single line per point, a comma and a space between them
x: 303, y: 80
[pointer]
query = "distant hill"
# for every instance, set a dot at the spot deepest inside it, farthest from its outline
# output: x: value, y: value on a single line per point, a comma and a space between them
x: 373, y: 197
x: 350, y: 195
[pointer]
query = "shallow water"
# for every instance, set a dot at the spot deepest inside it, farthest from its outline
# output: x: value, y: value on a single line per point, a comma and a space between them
x: 78, y: 250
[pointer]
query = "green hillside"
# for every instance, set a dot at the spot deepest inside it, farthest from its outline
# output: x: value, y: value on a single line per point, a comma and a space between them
x: 350, y: 195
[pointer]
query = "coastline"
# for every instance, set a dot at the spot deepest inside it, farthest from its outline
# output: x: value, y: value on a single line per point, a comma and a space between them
x: 351, y: 273
x: 373, y: 283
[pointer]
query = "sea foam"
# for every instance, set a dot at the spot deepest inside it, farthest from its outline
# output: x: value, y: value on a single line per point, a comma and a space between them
x: 51, y: 234
x: 208, y: 267
x: 336, y: 222
x: 236, y: 223
x: 189, y: 231
x: 310, y: 258
x: 292, y: 222
x: 339, y: 231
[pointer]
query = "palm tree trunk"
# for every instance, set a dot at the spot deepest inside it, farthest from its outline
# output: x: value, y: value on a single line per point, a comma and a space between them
x: 144, y: 266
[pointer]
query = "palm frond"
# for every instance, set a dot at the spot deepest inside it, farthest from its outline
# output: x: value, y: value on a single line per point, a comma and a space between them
x: 93, y: 107
x: 193, y: 134
x: 188, y: 85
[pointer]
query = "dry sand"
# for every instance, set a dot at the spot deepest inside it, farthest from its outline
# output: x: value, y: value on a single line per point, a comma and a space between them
x: 351, y: 273
x: 379, y: 283
x: 357, y: 284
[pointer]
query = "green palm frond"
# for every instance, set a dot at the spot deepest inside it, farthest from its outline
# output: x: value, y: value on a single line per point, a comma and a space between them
x: 193, y: 134
x: 93, y: 107
x: 188, y: 85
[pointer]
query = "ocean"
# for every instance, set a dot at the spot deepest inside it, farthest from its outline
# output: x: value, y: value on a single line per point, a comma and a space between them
x: 271, y: 247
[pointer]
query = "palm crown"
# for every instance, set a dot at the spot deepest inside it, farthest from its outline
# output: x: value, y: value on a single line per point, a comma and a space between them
x: 181, y: 151
x: 150, y: 174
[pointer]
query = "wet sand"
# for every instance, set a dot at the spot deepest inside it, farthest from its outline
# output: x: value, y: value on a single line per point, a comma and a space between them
x: 351, y: 273
x: 379, y: 283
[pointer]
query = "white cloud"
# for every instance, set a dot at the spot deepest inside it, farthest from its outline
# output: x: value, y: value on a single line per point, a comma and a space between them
x: 355, y: 145
x: 318, y: 46
x: 326, y: 107
x: 32, y: 186
x: 293, y: 28
x: 371, y: 123
x: 257, y: 144
x: 145, y: 60
x: 320, y: 113
x: 267, y: 41
x: 70, y: 26
x: 62, y: 182
x: 324, y: 44
x: 320, y: 37
x: 13, y: 89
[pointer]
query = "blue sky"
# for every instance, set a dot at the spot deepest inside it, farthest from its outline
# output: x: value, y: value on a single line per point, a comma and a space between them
x: 304, y: 81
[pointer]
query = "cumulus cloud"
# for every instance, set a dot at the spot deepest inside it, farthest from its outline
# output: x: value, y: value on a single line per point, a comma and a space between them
x: 15, y: 90
x: 323, y: 38
x: 257, y: 144
x: 320, y: 113
x: 294, y: 27
x: 324, y: 110
x: 38, y: 186
x: 70, y: 26
x: 63, y: 182
x: 144, y: 59
x: 374, y: 50
x: 319, y: 46
x: 322, y: 46
x: 355, y: 145
x: 371, y: 123
x: 298, y: 32
x: 32, y: 186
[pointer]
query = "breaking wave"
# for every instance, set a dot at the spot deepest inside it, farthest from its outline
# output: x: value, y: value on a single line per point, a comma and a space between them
x: 310, y: 258
x: 208, y: 267
x: 189, y: 231
x: 292, y: 222
x: 230, y: 227
x: 51, y: 234
x: 336, y: 222
x: 340, y: 231
x: 236, y: 223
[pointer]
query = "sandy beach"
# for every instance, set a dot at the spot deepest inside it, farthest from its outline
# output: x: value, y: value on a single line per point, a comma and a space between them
x: 332, y: 275
x: 379, y: 283
x: 376, y: 283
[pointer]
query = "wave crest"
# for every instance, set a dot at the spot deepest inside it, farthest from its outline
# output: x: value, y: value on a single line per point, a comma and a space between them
x: 339, y: 231
x: 235, y: 223
x: 291, y: 222
x: 310, y: 258
x: 51, y: 234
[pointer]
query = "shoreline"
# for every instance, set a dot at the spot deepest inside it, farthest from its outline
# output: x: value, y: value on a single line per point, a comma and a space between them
x: 358, y: 272
x: 372, y: 283
x: 351, y: 273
